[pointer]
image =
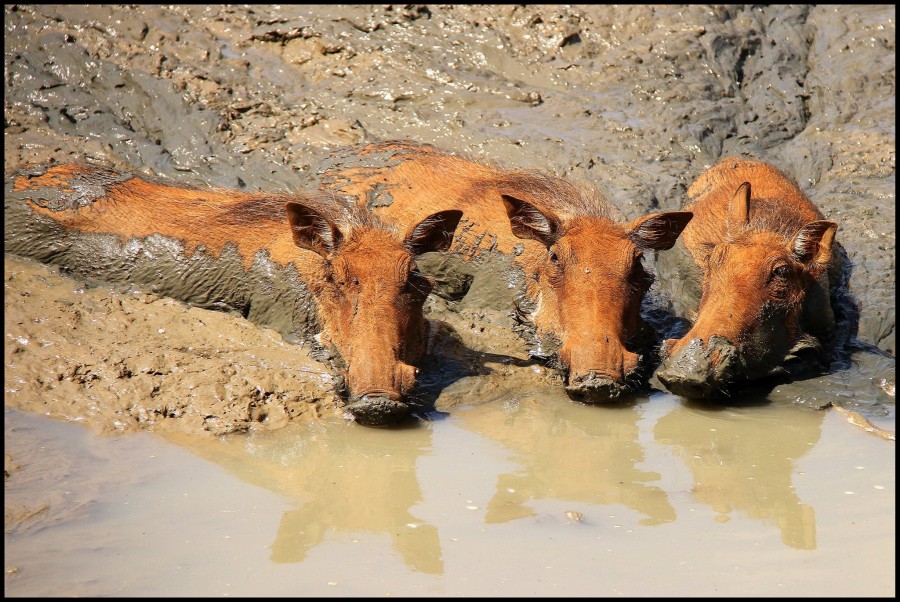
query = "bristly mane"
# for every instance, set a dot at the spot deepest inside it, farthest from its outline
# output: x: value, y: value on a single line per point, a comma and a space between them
x: 773, y: 215
x: 556, y: 194
x: 340, y: 209
x: 552, y: 192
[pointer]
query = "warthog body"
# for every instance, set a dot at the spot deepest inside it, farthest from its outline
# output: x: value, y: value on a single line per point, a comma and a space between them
x: 764, y: 251
x: 304, y: 264
x: 584, y: 279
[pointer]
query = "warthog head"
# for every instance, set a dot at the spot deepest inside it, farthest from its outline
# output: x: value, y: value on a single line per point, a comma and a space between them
x: 754, y: 285
x: 370, y: 299
x: 587, y: 289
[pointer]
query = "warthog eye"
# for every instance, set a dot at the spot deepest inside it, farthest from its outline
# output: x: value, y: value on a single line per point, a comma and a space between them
x: 554, y: 258
x: 780, y: 282
x: 781, y: 271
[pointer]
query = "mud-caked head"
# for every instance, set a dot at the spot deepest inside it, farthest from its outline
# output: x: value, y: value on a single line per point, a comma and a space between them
x: 370, y: 296
x: 754, y: 285
x: 586, y: 286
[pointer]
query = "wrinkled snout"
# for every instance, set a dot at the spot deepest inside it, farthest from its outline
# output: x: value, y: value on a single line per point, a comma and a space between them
x: 602, y: 385
x: 698, y: 372
x: 373, y: 405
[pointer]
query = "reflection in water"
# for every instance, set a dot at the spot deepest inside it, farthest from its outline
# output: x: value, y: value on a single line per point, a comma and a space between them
x: 571, y: 452
x: 347, y: 479
x: 743, y: 459
x: 351, y: 478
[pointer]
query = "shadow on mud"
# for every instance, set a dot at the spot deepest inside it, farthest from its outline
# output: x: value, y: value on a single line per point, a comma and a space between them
x: 503, y: 376
x: 450, y: 361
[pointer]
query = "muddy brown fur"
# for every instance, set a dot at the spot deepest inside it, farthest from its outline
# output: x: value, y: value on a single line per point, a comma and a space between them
x: 766, y: 255
x: 360, y: 271
x: 584, y: 278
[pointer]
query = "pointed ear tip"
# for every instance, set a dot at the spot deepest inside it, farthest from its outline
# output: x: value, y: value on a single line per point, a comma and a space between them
x: 295, y: 207
x: 679, y: 217
x: 824, y: 224
x: 743, y: 191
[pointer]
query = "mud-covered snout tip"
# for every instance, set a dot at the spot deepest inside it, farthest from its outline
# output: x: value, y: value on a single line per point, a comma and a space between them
x: 689, y: 386
x: 700, y: 372
x: 594, y: 388
x: 377, y: 409
x: 383, y: 402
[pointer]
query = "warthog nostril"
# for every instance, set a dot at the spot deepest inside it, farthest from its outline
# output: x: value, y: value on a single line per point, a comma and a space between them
x: 377, y: 409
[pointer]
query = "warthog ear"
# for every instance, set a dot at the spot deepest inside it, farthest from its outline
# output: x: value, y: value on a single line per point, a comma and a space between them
x: 312, y: 230
x: 527, y: 221
x: 434, y: 233
x: 658, y: 231
x: 813, y: 242
x: 739, y: 210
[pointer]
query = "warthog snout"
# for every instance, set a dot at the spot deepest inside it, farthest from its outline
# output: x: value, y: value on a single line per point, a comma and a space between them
x: 595, y: 388
x: 696, y: 372
x: 379, y: 407
x: 600, y: 373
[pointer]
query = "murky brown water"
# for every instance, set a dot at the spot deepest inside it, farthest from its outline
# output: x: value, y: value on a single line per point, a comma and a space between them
x: 535, y: 496
x: 252, y: 483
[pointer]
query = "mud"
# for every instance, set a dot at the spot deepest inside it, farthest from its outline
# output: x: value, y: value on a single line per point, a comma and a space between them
x: 636, y: 100
x: 123, y: 362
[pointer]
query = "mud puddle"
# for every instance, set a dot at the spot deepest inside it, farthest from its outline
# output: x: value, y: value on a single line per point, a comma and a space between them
x: 536, y: 496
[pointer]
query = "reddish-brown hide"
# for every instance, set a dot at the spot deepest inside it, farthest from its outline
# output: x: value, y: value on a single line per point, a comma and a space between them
x: 763, y: 249
x: 362, y: 274
x: 583, y: 269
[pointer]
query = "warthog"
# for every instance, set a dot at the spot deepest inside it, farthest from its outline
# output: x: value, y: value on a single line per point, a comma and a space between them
x: 584, y: 278
x: 764, y: 251
x: 261, y: 254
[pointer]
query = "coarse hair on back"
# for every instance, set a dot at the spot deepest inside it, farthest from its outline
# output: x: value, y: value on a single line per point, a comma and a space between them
x: 560, y: 195
x: 339, y: 209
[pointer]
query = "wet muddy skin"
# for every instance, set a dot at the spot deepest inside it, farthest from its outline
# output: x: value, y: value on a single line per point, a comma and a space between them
x: 635, y: 100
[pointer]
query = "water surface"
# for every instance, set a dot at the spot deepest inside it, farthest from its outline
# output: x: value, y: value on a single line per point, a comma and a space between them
x: 538, y: 496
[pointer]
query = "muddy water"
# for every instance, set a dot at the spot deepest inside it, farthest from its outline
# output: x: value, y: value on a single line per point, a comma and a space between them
x: 250, y: 481
x: 537, y: 496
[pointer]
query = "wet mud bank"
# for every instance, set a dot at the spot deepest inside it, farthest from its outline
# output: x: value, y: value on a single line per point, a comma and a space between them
x: 635, y: 100
x: 124, y: 361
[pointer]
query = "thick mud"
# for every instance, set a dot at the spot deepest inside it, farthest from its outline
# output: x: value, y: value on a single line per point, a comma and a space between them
x: 635, y: 100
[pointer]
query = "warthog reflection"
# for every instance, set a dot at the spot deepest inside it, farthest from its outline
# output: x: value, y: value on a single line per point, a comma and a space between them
x: 745, y: 461
x: 344, y: 480
x: 568, y: 454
